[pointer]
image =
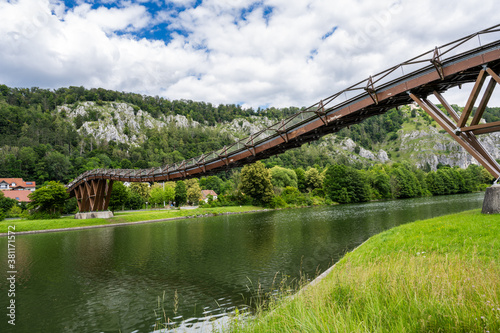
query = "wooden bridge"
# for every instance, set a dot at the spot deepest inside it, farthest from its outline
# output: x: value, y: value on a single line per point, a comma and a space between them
x: 471, y: 59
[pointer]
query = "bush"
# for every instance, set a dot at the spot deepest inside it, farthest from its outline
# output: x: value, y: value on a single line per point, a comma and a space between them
x: 43, y: 216
x: 15, y: 211
x: 277, y: 202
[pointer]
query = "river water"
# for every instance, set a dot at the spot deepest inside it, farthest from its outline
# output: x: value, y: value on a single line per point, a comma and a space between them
x: 110, y: 279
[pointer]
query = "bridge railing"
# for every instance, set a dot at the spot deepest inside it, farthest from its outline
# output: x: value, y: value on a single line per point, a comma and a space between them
x: 430, y: 60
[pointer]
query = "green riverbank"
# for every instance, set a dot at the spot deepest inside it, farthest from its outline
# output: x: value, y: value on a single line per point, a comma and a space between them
x: 121, y: 218
x: 436, y: 275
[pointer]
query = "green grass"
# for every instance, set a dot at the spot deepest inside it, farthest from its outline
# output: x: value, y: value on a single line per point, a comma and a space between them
x: 125, y: 217
x: 437, y: 275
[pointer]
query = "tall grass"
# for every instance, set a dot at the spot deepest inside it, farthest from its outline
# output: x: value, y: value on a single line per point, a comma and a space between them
x: 438, y: 275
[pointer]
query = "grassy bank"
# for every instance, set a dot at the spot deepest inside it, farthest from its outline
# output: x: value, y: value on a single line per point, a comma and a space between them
x: 437, y: 275
x: 123, y: 217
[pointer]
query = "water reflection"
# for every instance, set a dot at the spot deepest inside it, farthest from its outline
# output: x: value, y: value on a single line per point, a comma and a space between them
x: 106, y: 280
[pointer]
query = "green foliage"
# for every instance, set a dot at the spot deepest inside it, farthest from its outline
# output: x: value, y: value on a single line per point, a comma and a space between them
x: 48, y: 199
x: 313, y: 179
x: 193, y: 192
x: 292, y: 196
x: 15, y: 211
x: 256, y: 182
x: 344, y: 184
x: 135, y: 201
x: 213, y: 183
x: 277, y: 202
x: 142, y: 189
x: 119, y: 196
x: 301, y: 179
x: 375, y: 129
x: 6, y: 203
x: 180, y: 193
x: 282, y: 177
x: 404, y: 183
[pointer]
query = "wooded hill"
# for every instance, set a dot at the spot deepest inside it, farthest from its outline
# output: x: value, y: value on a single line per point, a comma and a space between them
x: 58, y: 134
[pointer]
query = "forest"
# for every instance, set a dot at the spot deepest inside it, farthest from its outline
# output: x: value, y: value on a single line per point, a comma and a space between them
x: 37, y: 143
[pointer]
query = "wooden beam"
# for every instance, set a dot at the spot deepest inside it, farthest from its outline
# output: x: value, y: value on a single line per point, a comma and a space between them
x: 472, y: 98
x: 447, y: 106
x: 484, y: 102
x: 481, y: 126
x: 440, y: 118
x: 486, y: 130
x: 493, y: 75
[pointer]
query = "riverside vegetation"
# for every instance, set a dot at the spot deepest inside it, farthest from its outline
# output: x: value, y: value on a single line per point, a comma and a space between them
x: 53, y: 136
x: 436, y: 275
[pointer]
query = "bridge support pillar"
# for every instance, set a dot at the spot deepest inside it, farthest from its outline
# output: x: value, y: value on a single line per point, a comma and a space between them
x: 93, y: 195
x: 491, y: 202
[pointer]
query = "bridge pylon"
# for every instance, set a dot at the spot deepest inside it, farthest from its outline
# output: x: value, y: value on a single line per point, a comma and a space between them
x: 458, y: 126
x: 93, y: 195
x: 464, y: 132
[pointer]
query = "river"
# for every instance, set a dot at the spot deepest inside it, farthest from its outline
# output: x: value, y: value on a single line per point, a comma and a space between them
x: 110, y: 279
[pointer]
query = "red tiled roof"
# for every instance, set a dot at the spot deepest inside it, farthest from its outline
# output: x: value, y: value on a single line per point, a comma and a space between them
x: 206, y: 193
x: 21, y: 196
x: 18, y: 181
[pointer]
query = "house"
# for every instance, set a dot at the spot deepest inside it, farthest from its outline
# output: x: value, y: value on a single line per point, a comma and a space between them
x: 16, y: 184
x: 206, y: 193
x: 20, y: 196
x: 17, y: 188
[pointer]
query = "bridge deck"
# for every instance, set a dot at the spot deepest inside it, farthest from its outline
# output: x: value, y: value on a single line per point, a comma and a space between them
x: 436, y: 71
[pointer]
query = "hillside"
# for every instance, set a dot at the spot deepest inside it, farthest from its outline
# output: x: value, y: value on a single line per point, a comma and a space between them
x: 56, y: 135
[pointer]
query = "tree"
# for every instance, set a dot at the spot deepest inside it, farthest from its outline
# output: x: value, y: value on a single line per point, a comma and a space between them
x: 135, y: 201
x: 282, y: 177
x: 5, y: 205
x: 213, y: 183
x: 193, y: 191
x: 313, y: 179
x: 301, y: 179
x: 157, y: 196
x: 58, y: 165
x: 256, y: 182
x: 119, y: 196
x: 404, y: 183
x: 49, y: 198
x: 344, y: 184
x: 169, y: 192
x: 142, y: 189
x: 180, y: 193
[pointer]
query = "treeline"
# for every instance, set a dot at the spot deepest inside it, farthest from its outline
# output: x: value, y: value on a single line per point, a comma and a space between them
x: 39, y: 144
x: 279, y: 187
x: 47, y: 100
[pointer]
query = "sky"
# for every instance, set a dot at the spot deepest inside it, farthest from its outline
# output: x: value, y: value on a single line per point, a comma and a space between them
x: 252, y: 53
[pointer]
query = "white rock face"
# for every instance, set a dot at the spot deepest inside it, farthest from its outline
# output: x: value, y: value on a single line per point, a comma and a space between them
x: 382, y: 156
x: 366, y: 154
x: 113, y: 120
x: 241, y: 125
x: 348, y: 144
x: 181, y: 121
x: 429, y: 148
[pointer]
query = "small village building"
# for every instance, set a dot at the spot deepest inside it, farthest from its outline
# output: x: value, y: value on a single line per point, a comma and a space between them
x: 20, y: 196
x: 17, y: 188
x: 206, y: 193
x: 16, y: 184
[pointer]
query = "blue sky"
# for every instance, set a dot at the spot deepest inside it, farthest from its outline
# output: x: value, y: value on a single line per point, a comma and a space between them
x: 255, y: 53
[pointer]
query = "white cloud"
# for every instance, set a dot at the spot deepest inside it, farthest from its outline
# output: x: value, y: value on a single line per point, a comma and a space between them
x: 281, y: 53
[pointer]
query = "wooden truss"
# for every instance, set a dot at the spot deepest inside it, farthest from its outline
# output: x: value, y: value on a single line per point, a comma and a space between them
x: 93, y: 195
x: 458, y: 127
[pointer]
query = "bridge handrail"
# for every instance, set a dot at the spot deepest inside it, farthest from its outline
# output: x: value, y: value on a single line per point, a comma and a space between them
x: 435, y: 57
